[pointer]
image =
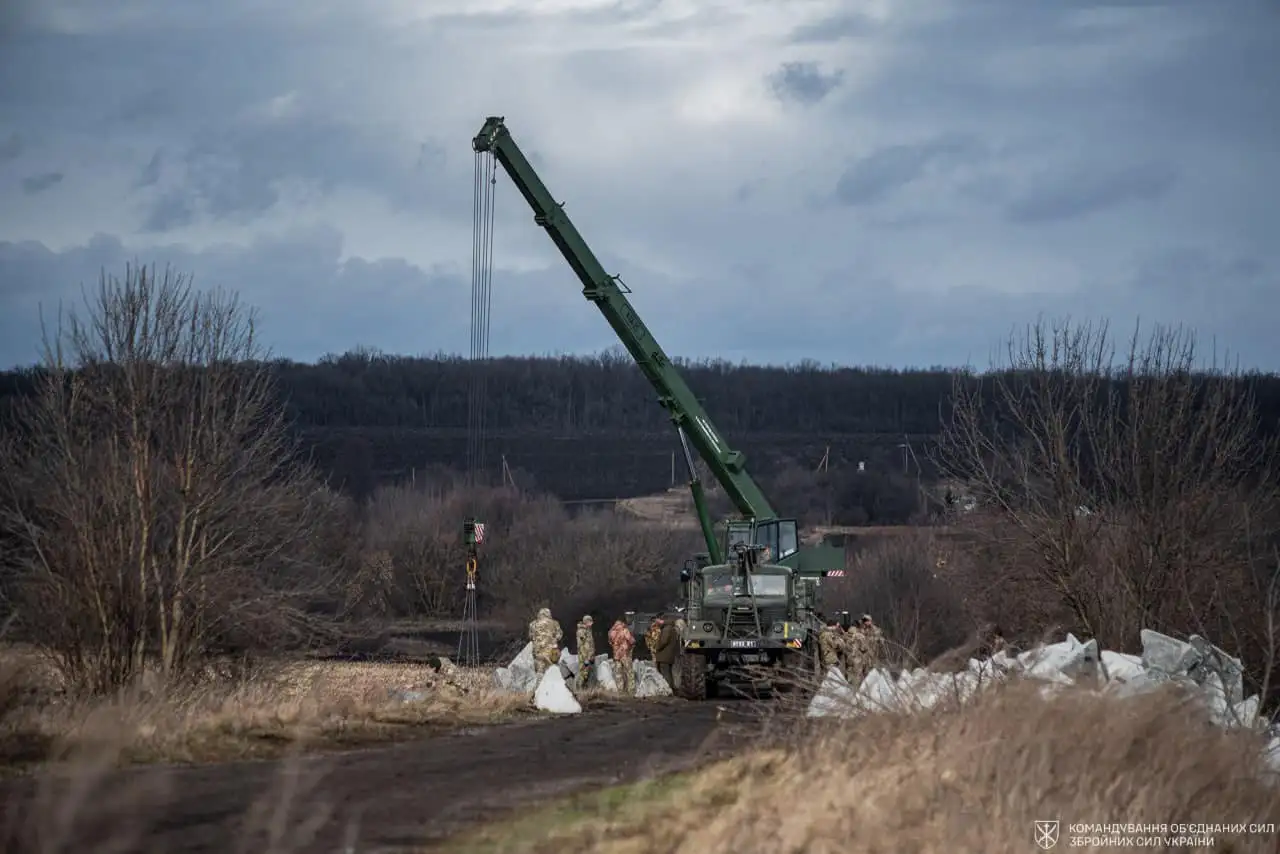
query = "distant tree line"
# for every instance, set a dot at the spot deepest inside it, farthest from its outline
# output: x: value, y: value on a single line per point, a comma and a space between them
x: 590, y: 427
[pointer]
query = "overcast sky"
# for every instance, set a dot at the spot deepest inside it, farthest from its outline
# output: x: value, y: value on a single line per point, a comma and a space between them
x: 892, y: 183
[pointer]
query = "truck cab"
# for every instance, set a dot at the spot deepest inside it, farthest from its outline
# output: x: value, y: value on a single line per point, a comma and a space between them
x: 782, y: 537
x: 745, y: 604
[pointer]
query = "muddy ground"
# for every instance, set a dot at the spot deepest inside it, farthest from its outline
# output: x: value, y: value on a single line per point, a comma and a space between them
x: 381, y: 800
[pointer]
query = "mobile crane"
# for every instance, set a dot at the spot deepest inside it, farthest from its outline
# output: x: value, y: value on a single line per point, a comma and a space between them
x: 751, y: 599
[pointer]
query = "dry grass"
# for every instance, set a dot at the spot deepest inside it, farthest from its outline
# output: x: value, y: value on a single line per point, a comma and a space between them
x: 281, y: 708
x: 966, y: 780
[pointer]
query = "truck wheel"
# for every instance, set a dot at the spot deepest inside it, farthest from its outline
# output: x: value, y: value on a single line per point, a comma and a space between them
x: 690, y: 676
x: 801, y: 672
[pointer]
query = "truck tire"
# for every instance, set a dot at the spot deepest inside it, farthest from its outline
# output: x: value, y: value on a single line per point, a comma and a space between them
x: 690, y: 676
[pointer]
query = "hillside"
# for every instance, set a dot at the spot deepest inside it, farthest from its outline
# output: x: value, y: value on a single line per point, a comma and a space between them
x: 590, y: 428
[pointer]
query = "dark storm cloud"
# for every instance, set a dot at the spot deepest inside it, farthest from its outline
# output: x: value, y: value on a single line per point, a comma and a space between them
x: 875, y: 177
x: 299, y: 283
x: 230, y: 154
x: 173, y: 210
x: 236, y: 173
x: 1087, y: 190
x: 803, y: 82
x: 1027, y: 157
x: 33, y: 184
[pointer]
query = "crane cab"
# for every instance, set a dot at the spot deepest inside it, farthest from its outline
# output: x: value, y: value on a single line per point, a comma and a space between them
x: 783, y: 539
x: 780, y: 535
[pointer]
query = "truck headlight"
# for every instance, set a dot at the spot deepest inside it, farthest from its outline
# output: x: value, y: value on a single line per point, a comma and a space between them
x: 708, y: 627
x: 778, y: 628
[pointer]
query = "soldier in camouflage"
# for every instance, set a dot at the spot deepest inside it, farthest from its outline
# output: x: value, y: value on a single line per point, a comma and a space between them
x: 621, y: 641
x: 586, y: 651
x: 651, y: 636
x: 665, y: 650
x: 443, y: 674
x: 873, y: 642
x: 997, y: 642
x: 545, y: 634
x: 855, y: 654
x: 829, y: 643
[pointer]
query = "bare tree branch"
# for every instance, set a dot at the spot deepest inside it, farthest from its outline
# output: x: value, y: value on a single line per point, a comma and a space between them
x: 153, y: 486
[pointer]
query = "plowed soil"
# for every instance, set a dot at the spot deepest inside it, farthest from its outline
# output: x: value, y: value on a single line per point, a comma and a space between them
x: 388, y: 799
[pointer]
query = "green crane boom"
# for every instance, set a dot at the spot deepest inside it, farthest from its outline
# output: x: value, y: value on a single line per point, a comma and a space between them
x: 609, y: 295
x: 674, y: 394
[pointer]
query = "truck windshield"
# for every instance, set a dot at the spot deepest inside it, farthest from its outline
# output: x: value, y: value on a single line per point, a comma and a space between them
x: 726, y: 584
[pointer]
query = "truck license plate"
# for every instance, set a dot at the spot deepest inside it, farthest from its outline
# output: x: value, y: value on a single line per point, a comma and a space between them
x: 743, y: 644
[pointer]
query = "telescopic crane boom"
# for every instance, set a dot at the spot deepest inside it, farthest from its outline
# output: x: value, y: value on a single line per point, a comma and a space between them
x: 608, y: 294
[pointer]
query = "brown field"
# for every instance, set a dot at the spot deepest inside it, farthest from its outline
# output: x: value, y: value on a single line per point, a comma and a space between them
x: 460, y: 760
x: 281, y: 707
x: 955, y: 780
x: 629, y: 777
x: 674, y: 508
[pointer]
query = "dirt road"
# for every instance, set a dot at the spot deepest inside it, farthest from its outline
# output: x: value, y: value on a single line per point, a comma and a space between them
x: 380, y: 800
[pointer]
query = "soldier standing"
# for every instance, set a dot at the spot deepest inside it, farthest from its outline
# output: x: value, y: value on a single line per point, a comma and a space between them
x: 586, y: 651
x: 998, y: 643
x: 855, y: 654
x: 664, y: 652
x: 873, y: 642
x: 829, y: 643
x: 622, y: 641
x: 651, y: 636
x: 545, y: 634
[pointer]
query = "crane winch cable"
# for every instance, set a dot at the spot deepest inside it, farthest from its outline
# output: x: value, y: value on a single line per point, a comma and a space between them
x: 482, y: 216
x: 485, y: 179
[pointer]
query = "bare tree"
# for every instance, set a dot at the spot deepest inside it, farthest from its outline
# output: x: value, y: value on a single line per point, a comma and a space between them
x: 153, y: 487
x: 1135, y: 489
x: 898, y: 581
x: 534, y: 553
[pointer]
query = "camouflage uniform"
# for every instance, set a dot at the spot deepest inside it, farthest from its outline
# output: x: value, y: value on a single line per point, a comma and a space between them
x: 665, y: 650
x: 451, y: 676
x: 586, y: 651
x: 829, y: 643
x: 651, y: 636
x: 995, y: 640
x: 622, y: 642
x: 873, y: 642
x: 545, y: 634
x: 855, y: 655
